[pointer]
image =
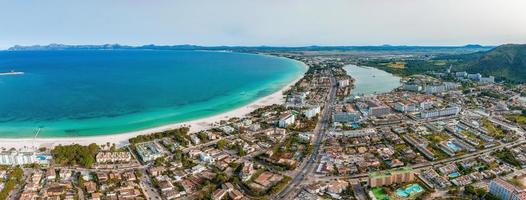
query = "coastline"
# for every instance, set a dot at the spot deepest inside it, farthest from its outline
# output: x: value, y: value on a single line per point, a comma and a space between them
x: 121, y: 139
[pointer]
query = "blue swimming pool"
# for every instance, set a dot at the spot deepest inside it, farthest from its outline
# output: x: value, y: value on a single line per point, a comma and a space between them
x: 41, y: 158
x: 453, y: 175
x: 453, y: 146
x: 410, y: 190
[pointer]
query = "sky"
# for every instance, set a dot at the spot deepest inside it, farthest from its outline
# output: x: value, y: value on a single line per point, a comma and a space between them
x: 262, y: 22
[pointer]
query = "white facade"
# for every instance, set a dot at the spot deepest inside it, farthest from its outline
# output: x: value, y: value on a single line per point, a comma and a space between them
x: 312, y: 112
x: 286, y: 120
x: 412, y: 87
x: 17, y: 158
x: 440, y: 113
x: 400, y: 107
x: 343, y: 83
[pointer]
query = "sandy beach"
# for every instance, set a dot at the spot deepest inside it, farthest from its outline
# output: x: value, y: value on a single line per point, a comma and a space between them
x: 122, y: 139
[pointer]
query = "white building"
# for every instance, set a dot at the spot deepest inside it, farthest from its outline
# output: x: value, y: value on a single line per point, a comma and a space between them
x: 149, y: 151
x: 424, y: 105
x: 206, y: 157
x: 400, y: 107
x: 461, y: 74
x: 103, y: 157
x: 312, y: 112
x: 454, y: 110
x: 355, y: 133
x: 490, y: 79
x: 412, y: 87
x: 286, y: 120
x: 343, y: 83
x: 475, y: 77
x: 14, y: 157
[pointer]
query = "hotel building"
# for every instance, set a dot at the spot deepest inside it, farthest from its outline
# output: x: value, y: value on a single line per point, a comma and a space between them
x: 399, y: 175
x: 506, y: 191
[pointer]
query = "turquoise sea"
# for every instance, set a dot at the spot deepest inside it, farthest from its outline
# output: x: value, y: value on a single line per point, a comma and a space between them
x: 369, y: 80
x: 97, y: 92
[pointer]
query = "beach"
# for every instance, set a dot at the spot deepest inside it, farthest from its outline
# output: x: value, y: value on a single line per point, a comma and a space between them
x: 122, y: 138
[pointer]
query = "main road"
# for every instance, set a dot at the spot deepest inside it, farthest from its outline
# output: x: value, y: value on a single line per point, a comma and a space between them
x: 319, y: 131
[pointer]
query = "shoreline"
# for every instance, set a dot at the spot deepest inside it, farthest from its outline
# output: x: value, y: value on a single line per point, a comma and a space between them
x: 121, y: 139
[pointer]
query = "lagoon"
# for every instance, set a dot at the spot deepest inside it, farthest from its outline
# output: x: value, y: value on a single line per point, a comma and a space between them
x: 369, y: 80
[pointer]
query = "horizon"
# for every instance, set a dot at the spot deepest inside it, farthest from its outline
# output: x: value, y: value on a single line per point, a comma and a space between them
x: 264, y: 23
x: 260, y: 46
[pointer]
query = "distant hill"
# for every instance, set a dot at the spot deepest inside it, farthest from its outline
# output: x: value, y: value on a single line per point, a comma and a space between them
x: 506, y: 62
x: 384, y: 48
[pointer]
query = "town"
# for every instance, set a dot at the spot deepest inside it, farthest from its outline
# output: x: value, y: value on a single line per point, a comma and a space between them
x: 441, y: 135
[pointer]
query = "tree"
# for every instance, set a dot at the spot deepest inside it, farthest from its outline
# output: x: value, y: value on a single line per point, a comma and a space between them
x: 75, y: 154
x: 221, y: 144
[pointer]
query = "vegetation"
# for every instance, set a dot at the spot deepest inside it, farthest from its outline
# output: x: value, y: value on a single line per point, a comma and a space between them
x: 476, y: 193
x: 507, y: 156
x: 411, y: 67
x: 75, y: 154
x: 221, y: 144
x: 379, y: 193
x: 238, y: 148
x: 519, y: 119
x: 505, y: 62
x: 15, y: 177
x: 493, y: 130
x: 179, y: 135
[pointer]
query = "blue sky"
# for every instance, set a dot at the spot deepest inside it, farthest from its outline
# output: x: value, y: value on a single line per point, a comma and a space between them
x: 263, y: 22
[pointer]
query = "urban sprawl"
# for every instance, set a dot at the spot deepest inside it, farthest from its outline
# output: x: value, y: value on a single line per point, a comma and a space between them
x: 440, y: 135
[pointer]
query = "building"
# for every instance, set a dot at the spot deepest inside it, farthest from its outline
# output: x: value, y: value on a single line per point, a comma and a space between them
x: 104, y: 157
x: 506, y: 191
x: 312, y: 112
x: 14, y: 157
x: 149, y: 151
x: 286, y: 120
x: 219, y: 194
x: 424, y: 105
x: 461, y: 74
x: 343, y: 83
x: 490, y: 79
x: 400, y: 107
x: 206, y: 157
x: 454, y: 110
x: 345, y: 117
x: 475, y: 77
x: 355, y: 133
x: 412, y: 87
x: 378, y: 111
x: 297, y: 99
x: 398, y: 175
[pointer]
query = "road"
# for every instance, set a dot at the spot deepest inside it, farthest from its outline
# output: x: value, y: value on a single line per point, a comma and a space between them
x: 319, y: 131
x: 147, y: 186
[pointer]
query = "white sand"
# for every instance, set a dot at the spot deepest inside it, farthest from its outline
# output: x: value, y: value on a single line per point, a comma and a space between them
x: 122, y: 139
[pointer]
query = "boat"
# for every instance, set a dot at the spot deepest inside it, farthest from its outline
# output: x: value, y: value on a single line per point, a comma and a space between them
x: 12, y: 72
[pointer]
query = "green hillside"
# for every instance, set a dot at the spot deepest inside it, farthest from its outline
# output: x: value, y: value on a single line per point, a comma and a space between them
x: 506, y: 62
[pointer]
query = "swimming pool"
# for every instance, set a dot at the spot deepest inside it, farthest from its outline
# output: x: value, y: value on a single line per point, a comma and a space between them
x: 453, y: 146
x: 410, y: 190
x: 41, y: 157
x: 453, y: 175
